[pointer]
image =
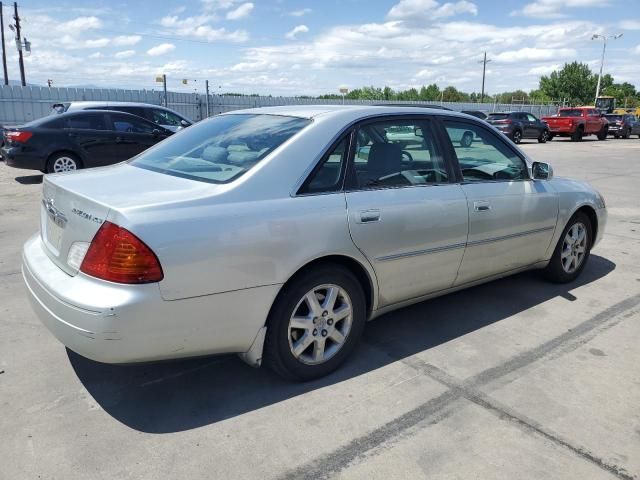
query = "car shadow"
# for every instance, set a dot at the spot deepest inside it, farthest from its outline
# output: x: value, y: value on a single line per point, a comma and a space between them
x: 180, y: 395
x: 29, y: 179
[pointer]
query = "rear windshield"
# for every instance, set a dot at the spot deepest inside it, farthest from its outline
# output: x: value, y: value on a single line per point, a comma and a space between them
x: 570, y: 113
x: 498, y: 116
x: 222, y: 148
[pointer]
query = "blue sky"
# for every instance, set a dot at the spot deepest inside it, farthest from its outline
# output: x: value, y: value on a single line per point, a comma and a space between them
x: 296, y: 47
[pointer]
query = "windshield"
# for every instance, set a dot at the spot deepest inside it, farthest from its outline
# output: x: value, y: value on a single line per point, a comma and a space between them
x: 222, y: 148
x: 614, y: 118
x: 570, y: 113
x: 498, y: 116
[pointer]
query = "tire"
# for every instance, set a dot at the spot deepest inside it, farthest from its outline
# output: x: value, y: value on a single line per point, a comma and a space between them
x: 577, y: 135
x: 466, y: 140
x: 544, y: 136
x: 602, y: 134
x: 283, y: 336
x: 616, y: 136
x: 516, y: 136
x: 63, y: 162
x: 551, y: 135
x: 557, y: 270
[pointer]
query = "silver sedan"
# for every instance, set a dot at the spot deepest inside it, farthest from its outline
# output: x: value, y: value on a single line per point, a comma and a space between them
x: 276, y: 233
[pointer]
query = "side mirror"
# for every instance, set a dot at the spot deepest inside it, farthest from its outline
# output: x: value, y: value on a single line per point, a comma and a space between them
x: 184, y: 123
x: 541, y: 171
x: 417, y: 131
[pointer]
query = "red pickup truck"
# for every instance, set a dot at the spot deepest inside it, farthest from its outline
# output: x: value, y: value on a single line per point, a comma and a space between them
x: 576, y: 122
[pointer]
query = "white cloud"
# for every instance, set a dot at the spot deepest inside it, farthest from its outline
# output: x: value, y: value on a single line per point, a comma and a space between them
x: 420, y: 10
x: 241, y: 12
x: 291, y: 35
x: 534, y: 54
x: 630, y: 24
x: 161, y: 49
x: 124, y: 54
x: 300, y: 13
x: 200, y: 27
x: 544, y: 69
x: 96, y: 43
x: 553, y: 8
x: 126, y: 40
x: 95, y: 55
x: 424, y: 74
x: 637, y: 50
x: 80, y: 24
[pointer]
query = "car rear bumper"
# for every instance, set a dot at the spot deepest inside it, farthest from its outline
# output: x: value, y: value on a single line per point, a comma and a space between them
x: 561, y: 130
x: 115, y: 323
x: 16, y: 158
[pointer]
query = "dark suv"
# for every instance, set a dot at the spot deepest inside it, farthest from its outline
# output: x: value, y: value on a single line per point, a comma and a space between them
x: 623, y: 125
x: 519, y: 125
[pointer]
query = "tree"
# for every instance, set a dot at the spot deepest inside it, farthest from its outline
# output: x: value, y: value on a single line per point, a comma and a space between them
x: 574, y: 82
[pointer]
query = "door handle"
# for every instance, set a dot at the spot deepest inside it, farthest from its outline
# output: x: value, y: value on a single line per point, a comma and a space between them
x: 481, y: 206
x: 369, y: 216
x: 118, y: 139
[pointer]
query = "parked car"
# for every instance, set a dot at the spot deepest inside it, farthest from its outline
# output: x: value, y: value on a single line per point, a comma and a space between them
x: 519, y: 125
x: 165, y: 117
x: 576, y: 122
x: 79, y: 140
x: 262, y: 232
x: 476, y: 113
x: 623, y: 125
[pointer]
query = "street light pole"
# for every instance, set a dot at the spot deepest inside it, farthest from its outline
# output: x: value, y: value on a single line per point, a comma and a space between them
x: 604, y: 48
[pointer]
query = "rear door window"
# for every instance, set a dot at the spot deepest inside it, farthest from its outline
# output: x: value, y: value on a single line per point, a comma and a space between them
x: 130, y: 124
x: 397, y: 153
x: 87, y: 121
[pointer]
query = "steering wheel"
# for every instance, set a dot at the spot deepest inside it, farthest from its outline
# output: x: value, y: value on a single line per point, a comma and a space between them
x: 406, y: 156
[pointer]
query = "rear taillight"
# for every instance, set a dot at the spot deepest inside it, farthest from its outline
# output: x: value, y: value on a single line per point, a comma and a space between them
x: 503, y: 122
x: 117, y: 255
x: 19, y: 137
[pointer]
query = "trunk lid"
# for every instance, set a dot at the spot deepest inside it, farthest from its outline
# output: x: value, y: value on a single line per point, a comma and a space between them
x: 74, y: 205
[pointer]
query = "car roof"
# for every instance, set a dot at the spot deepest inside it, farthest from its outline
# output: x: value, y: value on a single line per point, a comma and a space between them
x: 354, y: 111
x: 98, y: 103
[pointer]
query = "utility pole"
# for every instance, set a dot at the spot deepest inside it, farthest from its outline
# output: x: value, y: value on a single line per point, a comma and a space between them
x: 484, y: 62
x: 206, y: 89
x: 604, y: 47
x: 19, y: 44
x: 4, y: 53
x: 164, y: 88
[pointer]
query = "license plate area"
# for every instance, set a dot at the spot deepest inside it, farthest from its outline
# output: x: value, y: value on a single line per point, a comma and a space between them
x: 52, y: 232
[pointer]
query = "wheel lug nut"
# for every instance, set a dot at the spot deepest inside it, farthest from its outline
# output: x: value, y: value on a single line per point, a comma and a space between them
x: 315, y: 332
x: 330, y: 321
x: 325, y: 313
x: 324, y: 333
x: 315, y: 319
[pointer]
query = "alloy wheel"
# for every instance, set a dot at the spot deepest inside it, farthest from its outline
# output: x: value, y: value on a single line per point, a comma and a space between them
x: 574, y: 247
x: 64, y: 164
x: 517, y: 136
x: 320, y: 324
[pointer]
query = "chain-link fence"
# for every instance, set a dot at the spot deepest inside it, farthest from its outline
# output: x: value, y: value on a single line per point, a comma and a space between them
x: 23, y: 104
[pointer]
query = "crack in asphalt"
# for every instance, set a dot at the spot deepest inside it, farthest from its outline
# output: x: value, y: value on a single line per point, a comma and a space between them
x: 439, y: 407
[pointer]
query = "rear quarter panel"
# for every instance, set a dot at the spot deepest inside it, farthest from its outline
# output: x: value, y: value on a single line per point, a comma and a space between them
x: 211, y: 247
